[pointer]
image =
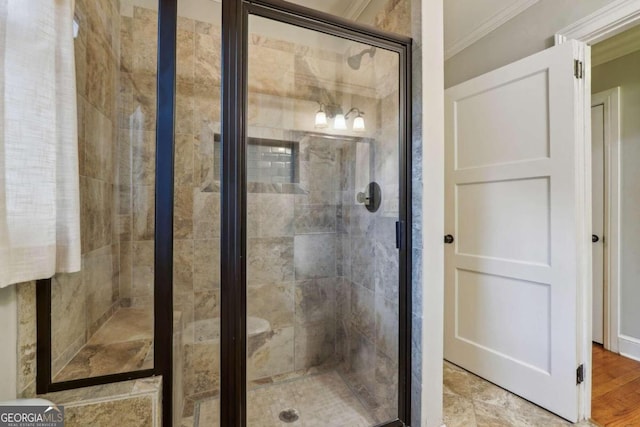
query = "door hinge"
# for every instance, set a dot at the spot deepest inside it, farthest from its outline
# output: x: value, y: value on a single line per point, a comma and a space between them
x: 578, y: 68
x: 580, y: 374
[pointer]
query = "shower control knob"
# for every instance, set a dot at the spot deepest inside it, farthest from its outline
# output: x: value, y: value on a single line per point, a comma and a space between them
x: 448, y: 239
x: 363, y: 198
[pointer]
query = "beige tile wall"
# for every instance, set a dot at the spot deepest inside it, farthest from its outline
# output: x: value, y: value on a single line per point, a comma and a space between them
x: 368, y: 311
x: 82, y: 302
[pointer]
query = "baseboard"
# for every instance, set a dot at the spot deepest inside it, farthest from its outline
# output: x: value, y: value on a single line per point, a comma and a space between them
x: 629, y: 347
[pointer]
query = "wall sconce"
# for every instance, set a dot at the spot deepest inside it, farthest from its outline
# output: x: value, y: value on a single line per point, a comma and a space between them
x: 339, y: 118
x: 340, y: 122
x: 321, y: 118
x: 358, y: 122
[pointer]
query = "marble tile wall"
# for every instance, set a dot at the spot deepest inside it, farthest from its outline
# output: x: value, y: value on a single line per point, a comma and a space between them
x: 292, y: 266
x: 367, y: 312
x: 197, y: 194
x: 82, y: 302
x: 135, y: 403
x: 404, y: 17
x: 26, y: 339
x: 136, y: 154
x: 369, y: 309
x: 417, y: 350
x: 293, y: 258
x: 271, y: 223
x: 292, y: 269
x: 315, y: 252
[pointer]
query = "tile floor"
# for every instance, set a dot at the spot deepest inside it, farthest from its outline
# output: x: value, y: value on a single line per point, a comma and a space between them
x: 325, y: 400
x: 321, y: 400
x: 470, y: 401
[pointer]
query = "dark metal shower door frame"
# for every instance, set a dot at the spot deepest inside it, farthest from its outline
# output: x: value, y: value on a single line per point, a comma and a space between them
x: 233, y: 333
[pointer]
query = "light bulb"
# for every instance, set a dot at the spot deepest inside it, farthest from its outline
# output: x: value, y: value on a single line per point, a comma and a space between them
x: 358, y: 124
x: 340, y: 123
x: 321, y: 119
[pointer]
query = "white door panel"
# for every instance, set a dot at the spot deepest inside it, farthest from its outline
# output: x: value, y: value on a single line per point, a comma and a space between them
x: 511, y: 202
x: 597, y: 218
x: 508, y: 307
x: 501, y: 206
x: 525, y: 124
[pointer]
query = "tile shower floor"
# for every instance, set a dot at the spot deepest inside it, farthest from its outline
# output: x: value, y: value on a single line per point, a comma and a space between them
x: 321, y: 400
x: 470, y: 401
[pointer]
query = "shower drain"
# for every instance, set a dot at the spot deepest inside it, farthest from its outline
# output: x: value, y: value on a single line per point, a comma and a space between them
x: 289, y: 416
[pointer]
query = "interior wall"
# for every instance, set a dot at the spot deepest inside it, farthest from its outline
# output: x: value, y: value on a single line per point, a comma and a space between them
x: 8, y: 356
x: 623, y: 72
x: 530, y: 32
x: 429, y: 278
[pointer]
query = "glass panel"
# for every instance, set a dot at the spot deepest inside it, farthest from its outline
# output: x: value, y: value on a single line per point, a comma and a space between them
x: 196, y: 280
x: 322, y: 265
x: 102, y: 317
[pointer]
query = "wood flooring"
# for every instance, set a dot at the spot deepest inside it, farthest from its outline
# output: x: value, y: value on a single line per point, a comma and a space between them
x: 615, y: 397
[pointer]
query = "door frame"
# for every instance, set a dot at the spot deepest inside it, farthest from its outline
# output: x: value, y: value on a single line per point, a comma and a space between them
x: 233, y: 331
x: 610, y: 99
x: 604, y: 23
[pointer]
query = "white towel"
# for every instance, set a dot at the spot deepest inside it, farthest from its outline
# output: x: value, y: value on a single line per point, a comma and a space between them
x: 39, y: 190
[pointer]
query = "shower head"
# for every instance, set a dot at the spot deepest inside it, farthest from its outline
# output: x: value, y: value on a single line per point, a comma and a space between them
x: 355, y: 61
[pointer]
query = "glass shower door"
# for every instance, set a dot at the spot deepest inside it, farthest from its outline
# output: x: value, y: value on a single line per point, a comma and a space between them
x: 323, y: 199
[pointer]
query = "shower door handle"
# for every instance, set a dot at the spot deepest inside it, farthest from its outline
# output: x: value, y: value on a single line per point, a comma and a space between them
x: 399, y: 234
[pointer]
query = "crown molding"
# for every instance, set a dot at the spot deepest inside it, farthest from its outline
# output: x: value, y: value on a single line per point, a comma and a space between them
x: 491, y: 24
x: 606, y: 22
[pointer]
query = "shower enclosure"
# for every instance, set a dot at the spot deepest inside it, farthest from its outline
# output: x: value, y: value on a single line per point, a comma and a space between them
x: 246, y: 236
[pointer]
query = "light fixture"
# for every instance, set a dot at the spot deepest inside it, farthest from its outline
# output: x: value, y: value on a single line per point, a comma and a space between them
x: 340, y: 122
x: 321, y: 118
x: 335, y: 112
x: 358, y: 122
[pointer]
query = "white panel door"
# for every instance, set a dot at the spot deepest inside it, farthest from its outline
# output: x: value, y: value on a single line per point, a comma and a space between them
x: 597, y: 218
x: 512, y: 140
